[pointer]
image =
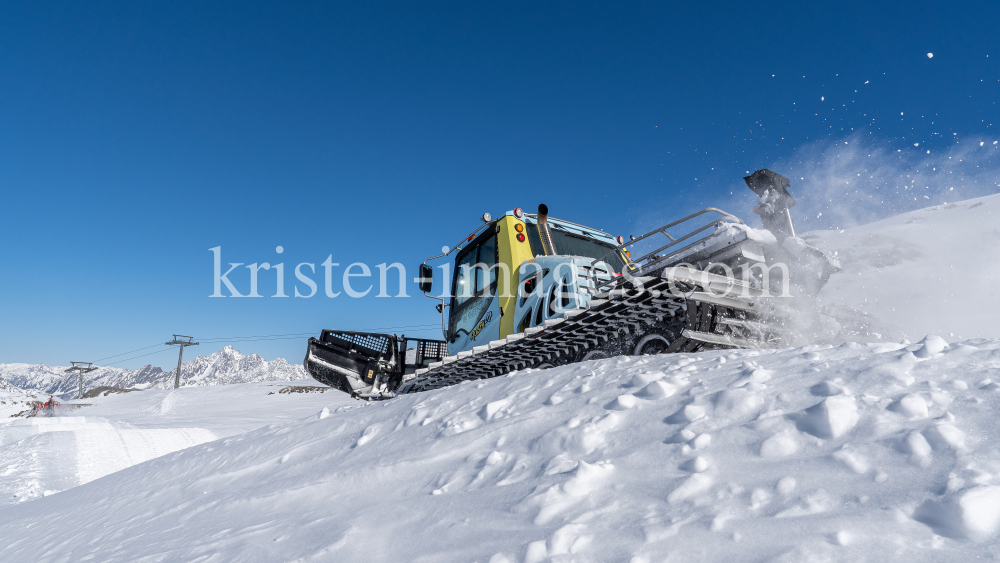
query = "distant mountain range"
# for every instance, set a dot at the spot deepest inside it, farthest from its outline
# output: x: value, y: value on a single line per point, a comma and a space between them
x: 221, y: 368
x: 5, y: 386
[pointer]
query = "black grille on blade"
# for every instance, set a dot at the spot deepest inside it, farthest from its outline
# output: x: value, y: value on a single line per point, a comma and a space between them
x: 360, y: 342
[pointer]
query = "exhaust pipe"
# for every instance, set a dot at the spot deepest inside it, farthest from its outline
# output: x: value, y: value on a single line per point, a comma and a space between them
x: 543, y: 230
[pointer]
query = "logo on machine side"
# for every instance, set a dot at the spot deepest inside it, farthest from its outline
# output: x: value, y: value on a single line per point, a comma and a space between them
x: 482, y: 324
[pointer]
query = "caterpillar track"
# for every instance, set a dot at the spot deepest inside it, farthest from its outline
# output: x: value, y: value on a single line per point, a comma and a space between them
x: 674, y: 312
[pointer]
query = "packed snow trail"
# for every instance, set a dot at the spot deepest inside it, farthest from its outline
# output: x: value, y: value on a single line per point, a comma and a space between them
x: 41, y: 456
x: 67, y: 451
x: 849, y: 453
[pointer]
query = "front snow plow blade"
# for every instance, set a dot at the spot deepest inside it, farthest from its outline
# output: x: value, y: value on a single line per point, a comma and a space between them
x: 368, y: 365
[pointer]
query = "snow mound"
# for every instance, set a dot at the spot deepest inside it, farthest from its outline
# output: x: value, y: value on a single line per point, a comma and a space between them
x: 832, y: 418
x: 973, y: 513
x: 924, y: 272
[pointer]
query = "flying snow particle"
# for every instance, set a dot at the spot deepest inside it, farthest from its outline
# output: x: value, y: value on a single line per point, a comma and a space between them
x: 822, y: 98
x: 916, y: 144
x: 928, y: 152
x: 981, y: 143
x: 819, y: 215
x: 930, y: 55
x: 900, y: 113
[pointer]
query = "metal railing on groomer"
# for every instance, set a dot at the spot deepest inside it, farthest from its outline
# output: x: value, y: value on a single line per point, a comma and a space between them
x: 654, y: 255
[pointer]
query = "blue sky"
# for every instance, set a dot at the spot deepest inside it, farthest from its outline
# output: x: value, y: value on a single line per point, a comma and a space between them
x: 134, y: 137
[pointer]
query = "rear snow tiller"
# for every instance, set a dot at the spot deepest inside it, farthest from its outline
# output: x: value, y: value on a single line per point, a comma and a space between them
x: 533, y: 291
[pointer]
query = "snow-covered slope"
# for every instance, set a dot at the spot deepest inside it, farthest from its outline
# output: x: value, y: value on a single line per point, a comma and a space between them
x: 936, y: 270
x: 14, y: 401
x: 224, y: 367
x: 5, y: 386
x: 847, y: 453
x: 41, y: 456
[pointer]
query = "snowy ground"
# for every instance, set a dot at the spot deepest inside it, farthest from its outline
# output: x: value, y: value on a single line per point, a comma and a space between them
x: 41, y: 456
x: 855, y: 452
x: 15, y: 401
x: 848, y: 453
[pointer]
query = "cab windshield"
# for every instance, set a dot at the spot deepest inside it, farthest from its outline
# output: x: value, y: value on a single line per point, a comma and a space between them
x: 572, y: 244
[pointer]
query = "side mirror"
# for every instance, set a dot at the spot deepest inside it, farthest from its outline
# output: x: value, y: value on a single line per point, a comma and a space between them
x: 426, y: 280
